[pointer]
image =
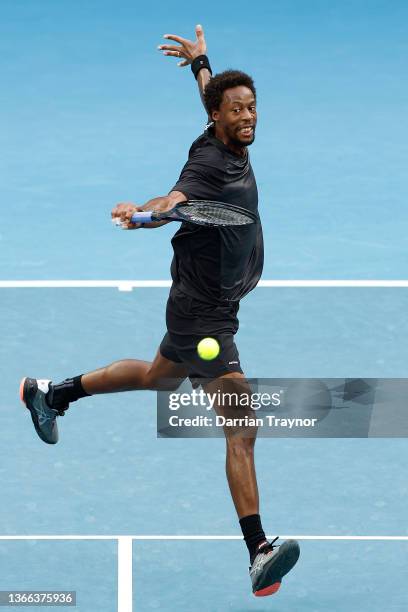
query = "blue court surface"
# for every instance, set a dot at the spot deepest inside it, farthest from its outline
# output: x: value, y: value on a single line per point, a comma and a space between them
x: 61, y: 566
x: 93, y: 115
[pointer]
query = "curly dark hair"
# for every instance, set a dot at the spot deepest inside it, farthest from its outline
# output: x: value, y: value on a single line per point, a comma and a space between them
x: 220, y: 82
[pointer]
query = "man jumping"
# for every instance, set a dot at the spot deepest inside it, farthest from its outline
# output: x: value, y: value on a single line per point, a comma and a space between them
x: 212, y: 269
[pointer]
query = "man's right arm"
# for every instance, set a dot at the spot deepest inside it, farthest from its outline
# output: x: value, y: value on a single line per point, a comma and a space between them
x: 125, y: 210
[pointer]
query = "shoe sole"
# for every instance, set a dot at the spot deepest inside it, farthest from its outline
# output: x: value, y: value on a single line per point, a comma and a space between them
x: 24, y: 389
x: 270, y: 590
x: 280, y: 565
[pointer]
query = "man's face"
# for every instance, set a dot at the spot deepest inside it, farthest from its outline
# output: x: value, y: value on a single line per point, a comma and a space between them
x: 236, y: 117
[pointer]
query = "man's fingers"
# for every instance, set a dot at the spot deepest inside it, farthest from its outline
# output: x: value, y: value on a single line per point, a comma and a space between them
x: 170, y: 48
x: 183, y: 63
x: 199, y: 31
x: 128, y: 215
x: 122, y: 214
x: 131, y: 226
x: 178, y: 39
x: 116, y: 212
x: 174, y: 53
x: 119, y: 208
x: 201, y: 45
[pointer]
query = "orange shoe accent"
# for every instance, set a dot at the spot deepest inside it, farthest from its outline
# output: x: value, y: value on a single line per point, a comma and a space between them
x: 22, y: 390
x: 270, y: 590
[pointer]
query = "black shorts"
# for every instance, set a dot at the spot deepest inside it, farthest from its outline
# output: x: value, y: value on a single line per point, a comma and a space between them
x: 189, y: 321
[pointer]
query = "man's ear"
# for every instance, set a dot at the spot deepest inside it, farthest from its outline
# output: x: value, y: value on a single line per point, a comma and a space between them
x: 215, y: 115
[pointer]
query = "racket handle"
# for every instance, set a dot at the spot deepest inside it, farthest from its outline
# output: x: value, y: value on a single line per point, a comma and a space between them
x: 142, y: 217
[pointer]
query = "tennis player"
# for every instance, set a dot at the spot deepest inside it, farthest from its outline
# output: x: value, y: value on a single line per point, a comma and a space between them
x: 212, y: 270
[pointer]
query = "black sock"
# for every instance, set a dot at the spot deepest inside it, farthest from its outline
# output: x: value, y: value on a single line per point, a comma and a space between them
x: 253, y: 533
x: 65, y: 392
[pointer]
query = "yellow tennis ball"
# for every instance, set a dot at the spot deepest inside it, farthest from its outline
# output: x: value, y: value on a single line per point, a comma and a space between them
x: 208, y: 349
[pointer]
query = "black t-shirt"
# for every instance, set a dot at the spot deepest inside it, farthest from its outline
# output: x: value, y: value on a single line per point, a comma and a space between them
x: 217, y: 265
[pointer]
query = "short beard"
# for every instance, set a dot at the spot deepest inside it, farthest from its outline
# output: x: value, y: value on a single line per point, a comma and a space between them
x: 239, y: 143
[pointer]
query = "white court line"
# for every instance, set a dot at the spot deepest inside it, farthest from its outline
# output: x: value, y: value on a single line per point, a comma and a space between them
x: 128, y: 285
x: 393, y: 538
x: 125, y: 574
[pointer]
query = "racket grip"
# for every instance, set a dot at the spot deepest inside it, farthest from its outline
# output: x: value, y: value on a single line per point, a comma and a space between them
x: 142, y: 217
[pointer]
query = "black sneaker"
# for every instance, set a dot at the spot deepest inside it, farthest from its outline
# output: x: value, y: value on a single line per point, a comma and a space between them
x: 271, y: 564
x: 33, y: 395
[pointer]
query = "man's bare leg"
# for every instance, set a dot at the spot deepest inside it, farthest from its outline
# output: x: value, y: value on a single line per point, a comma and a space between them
x: 124, y: 375
x: 240, y: 462
x: 268, y: 563
x: 132, y: 375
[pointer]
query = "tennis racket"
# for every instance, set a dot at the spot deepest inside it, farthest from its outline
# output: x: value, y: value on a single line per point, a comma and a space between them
x: 199, y: 212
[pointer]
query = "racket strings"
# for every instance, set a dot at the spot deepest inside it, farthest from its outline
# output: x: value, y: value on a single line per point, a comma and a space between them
x: 212, y: 214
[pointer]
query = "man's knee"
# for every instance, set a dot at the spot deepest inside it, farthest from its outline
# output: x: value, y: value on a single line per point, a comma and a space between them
x: 154, y: 382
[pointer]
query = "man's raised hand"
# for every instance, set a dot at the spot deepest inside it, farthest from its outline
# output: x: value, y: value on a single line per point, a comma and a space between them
x: 186, y: 49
